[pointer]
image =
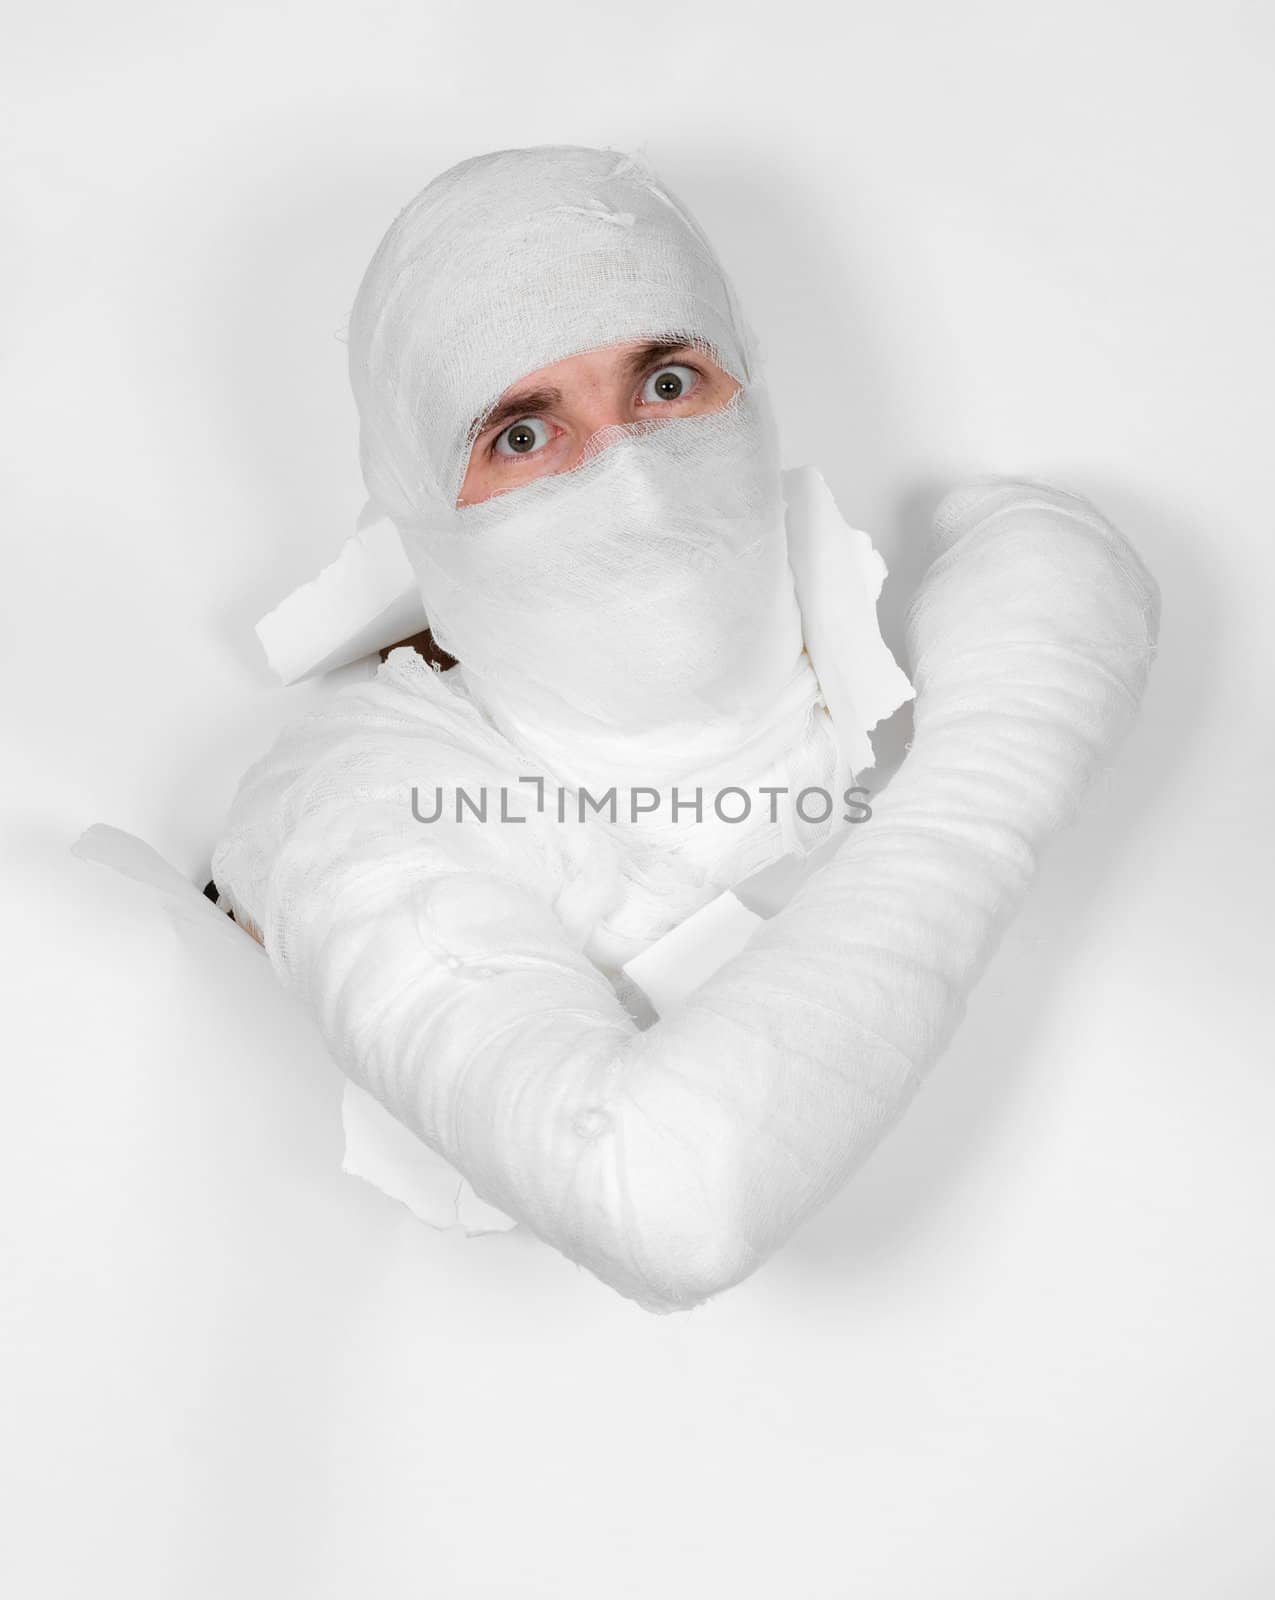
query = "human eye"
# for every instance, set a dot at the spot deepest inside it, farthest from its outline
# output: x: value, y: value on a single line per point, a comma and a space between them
x: 668, y: 383
x: 521, y: 439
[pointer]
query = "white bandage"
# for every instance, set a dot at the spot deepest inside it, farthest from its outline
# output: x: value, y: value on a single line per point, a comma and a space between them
x: 461, y: 972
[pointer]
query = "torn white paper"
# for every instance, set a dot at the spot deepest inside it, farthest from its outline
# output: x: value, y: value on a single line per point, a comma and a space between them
x: 687, y: 955
x: 133, y: 858
x: 839, y: 575
x: 364, y: 600
x: 383, y: 1152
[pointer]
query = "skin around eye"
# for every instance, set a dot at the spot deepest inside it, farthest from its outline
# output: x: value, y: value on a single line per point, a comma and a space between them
x: 572, y: 400
x: 529, y: 435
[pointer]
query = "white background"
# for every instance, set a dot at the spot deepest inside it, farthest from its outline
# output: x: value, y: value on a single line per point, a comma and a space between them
x: 1027, y: 1351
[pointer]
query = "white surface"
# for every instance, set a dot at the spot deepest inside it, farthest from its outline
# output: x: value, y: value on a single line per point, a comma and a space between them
x: 1027, y: 1352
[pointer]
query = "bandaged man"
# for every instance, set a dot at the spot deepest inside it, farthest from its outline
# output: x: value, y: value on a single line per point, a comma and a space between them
x: 563, y: 413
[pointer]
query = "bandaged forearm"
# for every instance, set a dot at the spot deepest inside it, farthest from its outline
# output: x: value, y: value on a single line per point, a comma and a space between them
x: 671, y: 1163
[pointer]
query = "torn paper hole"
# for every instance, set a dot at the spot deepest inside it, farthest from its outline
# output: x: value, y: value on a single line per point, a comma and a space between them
x: 368, y: 599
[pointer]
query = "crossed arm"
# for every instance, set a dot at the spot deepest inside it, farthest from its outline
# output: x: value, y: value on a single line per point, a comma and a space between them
x: 446, y: 969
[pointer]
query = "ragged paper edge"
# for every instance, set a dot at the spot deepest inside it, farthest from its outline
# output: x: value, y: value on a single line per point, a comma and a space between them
x: 381, y: 1151
x: 364, y: 600
x: 839, y: 575
x: 108, y: 846
x: 400, y: 1164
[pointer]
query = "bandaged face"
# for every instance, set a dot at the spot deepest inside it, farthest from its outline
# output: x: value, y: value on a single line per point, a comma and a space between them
x: 562, y: 412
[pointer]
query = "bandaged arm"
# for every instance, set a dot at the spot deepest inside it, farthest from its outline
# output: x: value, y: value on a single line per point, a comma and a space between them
x: 672, y: 1162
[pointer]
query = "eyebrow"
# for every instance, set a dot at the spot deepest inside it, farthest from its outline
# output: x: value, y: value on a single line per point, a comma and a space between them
x: 526, y: 402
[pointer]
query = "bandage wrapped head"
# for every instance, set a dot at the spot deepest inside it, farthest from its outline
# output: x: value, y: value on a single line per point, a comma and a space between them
x: 635, y: 615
